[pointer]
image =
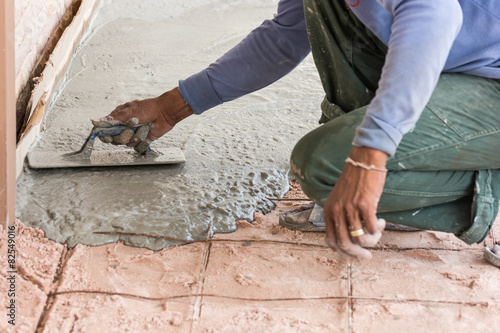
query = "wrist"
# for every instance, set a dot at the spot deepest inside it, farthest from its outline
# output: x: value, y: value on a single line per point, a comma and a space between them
x: 173, y: 107
x: 369, y: 156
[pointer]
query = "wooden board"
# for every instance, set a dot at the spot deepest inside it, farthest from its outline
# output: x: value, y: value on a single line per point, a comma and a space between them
x: 51, y: 75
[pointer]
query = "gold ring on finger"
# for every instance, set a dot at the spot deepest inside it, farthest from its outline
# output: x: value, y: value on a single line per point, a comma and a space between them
x: 357, y: 233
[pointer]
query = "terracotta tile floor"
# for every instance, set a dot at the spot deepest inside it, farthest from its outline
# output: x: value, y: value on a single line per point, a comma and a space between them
x: 241, y: 282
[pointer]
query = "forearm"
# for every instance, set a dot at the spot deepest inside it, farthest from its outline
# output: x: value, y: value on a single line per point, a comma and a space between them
x: 268, y: 53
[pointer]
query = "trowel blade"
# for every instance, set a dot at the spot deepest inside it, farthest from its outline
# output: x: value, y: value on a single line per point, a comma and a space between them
x: 47, y: 160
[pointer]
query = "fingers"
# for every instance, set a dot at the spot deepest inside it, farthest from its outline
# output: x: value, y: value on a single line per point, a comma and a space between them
x: 124, y: 137
x: 348, y: 243
x: 142, y: 147
x: 368, y: 239
x: 367, y: 208
x: 134, y: 114
x: 127, y: 114
x: 330, y: 240
x: 140, y: 140
x: 106, y: 138
x: 349, y: 247
x: 338, y: 234
x: 357, y: 233
x: 350, y: 213
x: 136, y: 138
x: 374, y: 229
x: 371, y: 227
x: 140, y: 135
x: 364, y: 233
x: 109, y: 121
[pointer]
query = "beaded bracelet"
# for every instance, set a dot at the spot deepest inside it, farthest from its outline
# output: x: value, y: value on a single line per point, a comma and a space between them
x: 364, y: 166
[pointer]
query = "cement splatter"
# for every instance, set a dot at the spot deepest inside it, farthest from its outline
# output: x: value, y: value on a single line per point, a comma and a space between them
x: 237, y: 154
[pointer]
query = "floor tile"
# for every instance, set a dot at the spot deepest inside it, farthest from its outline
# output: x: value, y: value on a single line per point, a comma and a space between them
x: 119, y: 268
x: 428, y: 275
x: 99, y: 313
x: 37, y: 258
x: 284, y: 316
x: 423, y: 239
x: 388, y: 317
x: 271, y: 271
x: 30, y: 301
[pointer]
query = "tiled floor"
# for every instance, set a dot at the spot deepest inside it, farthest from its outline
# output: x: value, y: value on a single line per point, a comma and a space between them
x: 256, y: 280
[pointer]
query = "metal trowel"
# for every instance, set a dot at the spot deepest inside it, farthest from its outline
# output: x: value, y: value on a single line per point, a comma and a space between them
x: 88, y: 157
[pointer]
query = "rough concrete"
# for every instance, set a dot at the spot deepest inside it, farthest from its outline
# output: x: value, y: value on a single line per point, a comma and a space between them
x: 237, y: 154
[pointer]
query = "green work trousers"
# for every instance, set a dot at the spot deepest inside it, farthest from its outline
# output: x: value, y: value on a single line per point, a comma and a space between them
x: 444, y: 174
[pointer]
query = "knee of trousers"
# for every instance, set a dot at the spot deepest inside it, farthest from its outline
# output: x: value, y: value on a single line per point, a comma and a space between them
x: 318, y: 158
x: 315, y: 169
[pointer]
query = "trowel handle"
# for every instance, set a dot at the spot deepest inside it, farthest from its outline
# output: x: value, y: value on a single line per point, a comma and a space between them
x: 141, y: 148
x: 88, y: 145
x: 111, y: 131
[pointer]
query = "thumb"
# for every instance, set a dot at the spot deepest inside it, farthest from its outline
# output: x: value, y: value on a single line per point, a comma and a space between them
x: 114, y: 121
x: 123, y: 115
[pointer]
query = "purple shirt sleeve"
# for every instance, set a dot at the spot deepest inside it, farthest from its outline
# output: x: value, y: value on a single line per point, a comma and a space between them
x: 267, y: 54
x: 422, y: 34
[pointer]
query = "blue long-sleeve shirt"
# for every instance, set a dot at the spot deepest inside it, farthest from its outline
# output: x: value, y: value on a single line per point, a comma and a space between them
x: 424, y: 38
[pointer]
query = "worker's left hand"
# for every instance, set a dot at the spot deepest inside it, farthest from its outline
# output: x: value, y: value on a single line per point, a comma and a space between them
x: 352, y: 205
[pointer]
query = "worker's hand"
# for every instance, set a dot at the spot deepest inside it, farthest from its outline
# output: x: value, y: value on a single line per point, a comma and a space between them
x: 352, y: 205
x: 161, y: 113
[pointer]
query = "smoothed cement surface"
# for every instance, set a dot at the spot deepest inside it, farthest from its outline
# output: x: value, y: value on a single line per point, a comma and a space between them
x: 237, y: 154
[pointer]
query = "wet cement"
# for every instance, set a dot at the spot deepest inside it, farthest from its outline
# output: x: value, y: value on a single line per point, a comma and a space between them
x: 237, y: 154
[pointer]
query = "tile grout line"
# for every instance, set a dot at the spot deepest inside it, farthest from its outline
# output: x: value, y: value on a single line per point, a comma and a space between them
x: 49, y: 303
x: 29, y: 278
x: 198, y: 302
x: 201, y: 285
x: 312, y: 298
x: 270, y: 241
x: 349, y: 297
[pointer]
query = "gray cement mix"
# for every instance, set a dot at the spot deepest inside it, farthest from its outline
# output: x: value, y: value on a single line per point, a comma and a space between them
x: 237, y: 153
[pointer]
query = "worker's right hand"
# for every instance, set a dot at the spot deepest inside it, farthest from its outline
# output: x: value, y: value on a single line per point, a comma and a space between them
x: 161, y: 113
x: 350, y: 211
